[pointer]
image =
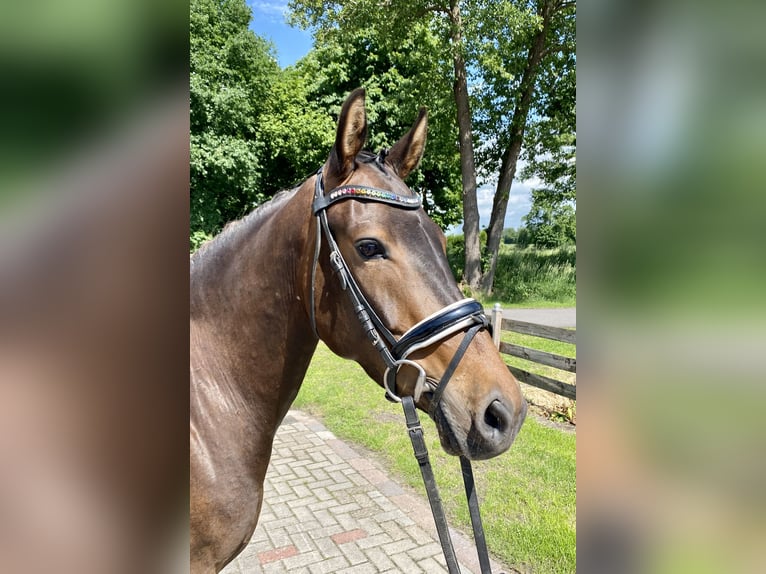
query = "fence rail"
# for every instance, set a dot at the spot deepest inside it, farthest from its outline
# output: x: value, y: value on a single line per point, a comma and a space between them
x: 554, y: 360
x: 542, y: 357
x: 555, y: 333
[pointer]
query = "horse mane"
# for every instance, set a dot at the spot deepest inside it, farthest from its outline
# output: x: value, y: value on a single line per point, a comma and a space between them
x: 233, y: 229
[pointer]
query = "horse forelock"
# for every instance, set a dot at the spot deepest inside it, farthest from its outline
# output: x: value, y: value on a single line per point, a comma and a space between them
x: 378, y: 160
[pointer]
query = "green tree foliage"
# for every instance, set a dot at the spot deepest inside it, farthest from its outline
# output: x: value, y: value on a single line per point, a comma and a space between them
x: 232, y: 72
x: 510, y: 235
x: 550, y: 225
x: 256, y: 129
x: 551, y: 219
x: 441, y: 66
x: 297, y: 133
x: 524, y: 93
x: 551, y: 158
x: 516, y: 58
x: 396, y: 88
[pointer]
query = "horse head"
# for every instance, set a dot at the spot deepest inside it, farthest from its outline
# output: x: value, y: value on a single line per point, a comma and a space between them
x: 396, y: 257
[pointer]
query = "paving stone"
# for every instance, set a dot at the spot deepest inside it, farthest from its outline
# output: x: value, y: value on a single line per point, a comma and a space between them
x: 373, y: 541
x: 430, y: 566
x: 329, y: 566
x: 380, y: 559
x: 404, y: 562
x: 390, y: 488
x: 366, y: 568
x: 348, y: 536
x: 327, y: 547
x: 329, y: 509
x: 277, y: 554
x: 292, y: 563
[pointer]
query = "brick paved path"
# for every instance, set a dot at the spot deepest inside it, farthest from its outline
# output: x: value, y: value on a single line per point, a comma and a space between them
x: 329, y: 509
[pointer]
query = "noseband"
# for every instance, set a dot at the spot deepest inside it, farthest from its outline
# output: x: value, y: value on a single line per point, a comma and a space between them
x: 465, y: 315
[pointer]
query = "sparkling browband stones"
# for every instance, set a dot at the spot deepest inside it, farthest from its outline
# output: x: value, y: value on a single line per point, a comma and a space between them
x: 372, y: 193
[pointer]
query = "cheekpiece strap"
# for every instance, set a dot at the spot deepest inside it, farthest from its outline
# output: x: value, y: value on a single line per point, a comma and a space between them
x: 364, y: 192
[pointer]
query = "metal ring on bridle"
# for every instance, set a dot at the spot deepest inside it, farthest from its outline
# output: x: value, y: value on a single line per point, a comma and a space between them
x: 387, y: 379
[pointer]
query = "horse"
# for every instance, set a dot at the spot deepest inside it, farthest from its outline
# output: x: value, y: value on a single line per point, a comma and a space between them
x: 361, y: 267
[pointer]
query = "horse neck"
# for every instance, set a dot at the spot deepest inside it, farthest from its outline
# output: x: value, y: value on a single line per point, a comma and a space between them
x: 249, y: 292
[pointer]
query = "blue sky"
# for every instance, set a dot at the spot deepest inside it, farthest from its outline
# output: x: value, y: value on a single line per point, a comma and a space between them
x: 291, y: 44
x: 269, y: 22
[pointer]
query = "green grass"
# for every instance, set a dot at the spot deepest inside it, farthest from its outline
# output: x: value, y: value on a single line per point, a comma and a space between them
x: 526, y: 277
x: 527, y: 495
x: 489, y: 301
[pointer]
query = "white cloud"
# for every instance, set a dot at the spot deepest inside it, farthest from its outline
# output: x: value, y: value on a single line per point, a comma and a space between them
x: 274, y: 10
x: 519, y: 202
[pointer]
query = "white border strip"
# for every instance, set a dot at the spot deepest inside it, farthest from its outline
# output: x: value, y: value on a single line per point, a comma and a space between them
x: 439, y: 312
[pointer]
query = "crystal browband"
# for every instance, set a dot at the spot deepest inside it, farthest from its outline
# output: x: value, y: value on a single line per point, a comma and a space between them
x: 364, y: 192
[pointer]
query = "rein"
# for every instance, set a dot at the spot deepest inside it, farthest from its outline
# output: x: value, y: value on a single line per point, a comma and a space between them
x: 465, y: 315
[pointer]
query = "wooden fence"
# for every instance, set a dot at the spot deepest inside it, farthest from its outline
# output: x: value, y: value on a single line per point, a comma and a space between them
x: 541, y: 357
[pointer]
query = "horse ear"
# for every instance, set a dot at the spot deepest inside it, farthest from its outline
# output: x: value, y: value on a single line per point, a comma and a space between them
x: 351, y: 135
x: 405, y: 156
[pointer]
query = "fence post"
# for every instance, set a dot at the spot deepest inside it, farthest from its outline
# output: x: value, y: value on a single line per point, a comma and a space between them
x: 497, y: 324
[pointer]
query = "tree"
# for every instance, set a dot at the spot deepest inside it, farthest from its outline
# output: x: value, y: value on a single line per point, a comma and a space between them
x: 527, y: 76
x: 551, y: 219
x: 510, y: 235
x: 297, y: 133
x: 501, y: 50
x: 232, y: 71
x: 550, y: 225
x: 552, y: 161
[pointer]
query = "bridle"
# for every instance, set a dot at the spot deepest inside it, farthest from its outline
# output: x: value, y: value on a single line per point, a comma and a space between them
x: 465, y: 315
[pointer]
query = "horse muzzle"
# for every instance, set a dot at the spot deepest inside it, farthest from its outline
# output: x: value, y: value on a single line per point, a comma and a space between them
x: 484, y: 434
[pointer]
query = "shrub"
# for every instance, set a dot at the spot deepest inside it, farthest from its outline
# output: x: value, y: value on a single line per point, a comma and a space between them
x: 525, y: 274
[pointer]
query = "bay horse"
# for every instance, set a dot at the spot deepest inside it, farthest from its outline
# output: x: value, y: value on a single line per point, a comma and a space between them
x: 361, y: 267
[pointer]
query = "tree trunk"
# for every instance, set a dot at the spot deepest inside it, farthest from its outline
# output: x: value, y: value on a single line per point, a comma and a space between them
x: 472, y: 268
x: 512, y: 152
x: 499, y: 208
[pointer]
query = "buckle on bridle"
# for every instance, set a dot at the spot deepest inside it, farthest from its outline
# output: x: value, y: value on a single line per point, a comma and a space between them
x: 338, y: 265
x: 389, y: 377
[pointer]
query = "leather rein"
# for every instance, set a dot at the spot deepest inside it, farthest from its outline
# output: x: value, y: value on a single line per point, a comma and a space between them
x: 466, y: 315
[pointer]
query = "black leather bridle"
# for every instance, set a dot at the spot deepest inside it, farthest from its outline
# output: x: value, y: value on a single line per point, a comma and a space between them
x: 466, y: 315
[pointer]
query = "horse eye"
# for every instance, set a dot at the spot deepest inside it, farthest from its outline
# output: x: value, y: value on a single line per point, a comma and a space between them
x: 369, y: 248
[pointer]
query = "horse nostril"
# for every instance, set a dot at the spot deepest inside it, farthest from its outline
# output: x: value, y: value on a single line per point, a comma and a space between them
x: 493, y: 429
x: 497, y: 416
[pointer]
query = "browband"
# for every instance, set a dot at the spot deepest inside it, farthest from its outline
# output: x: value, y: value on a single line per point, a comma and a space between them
x: 364, y: 192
